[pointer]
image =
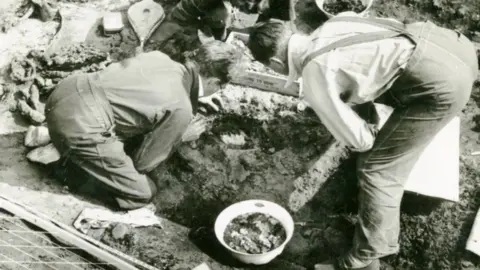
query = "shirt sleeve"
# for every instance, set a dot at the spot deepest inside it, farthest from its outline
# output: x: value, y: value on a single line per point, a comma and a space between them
x: 159, y: 144
x: 322, y: 91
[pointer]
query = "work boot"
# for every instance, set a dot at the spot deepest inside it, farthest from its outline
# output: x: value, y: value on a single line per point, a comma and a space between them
x: 374, y: 265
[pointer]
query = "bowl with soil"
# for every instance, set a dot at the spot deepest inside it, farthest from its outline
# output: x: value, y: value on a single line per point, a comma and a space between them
x: 254, y: 231
x: 334, y: 7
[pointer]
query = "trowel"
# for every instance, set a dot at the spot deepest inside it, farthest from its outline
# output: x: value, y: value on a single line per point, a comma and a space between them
x: 144, y: 17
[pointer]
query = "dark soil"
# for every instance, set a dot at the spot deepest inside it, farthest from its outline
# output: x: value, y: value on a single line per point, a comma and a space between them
x: 337, y: 6
x: 277, y: 144
x: 254, y: 233
x: 144, y: 249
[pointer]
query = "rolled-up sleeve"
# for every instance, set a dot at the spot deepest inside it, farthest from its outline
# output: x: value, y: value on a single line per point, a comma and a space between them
x: 322, y: 91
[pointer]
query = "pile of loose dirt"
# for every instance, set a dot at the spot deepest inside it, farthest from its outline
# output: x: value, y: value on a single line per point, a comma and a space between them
x: 145, y: 250
x: 35, y: 76
x: 75, y: 58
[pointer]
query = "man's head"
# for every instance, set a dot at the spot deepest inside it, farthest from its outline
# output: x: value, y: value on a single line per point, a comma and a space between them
x: 268, y: 43
x: 217, y: 63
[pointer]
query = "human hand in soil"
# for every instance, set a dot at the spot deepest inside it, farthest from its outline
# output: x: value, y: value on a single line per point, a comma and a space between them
x: 213, y: 101
x: 194, y: 130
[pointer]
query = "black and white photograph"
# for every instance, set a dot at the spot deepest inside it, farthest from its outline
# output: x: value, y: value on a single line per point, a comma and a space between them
x: 239, y: 135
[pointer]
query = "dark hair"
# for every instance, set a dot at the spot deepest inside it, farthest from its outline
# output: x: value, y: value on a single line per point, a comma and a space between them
x: 264, y: 39
x: 218, y: 59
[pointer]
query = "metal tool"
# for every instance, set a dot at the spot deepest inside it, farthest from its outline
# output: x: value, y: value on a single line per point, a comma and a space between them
x: 144, y: 17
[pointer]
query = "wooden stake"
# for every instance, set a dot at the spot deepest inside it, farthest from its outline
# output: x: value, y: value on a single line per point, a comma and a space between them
x: 63, y: 232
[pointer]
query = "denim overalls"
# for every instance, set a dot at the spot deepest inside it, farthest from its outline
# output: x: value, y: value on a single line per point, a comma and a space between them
x: 433, y: 88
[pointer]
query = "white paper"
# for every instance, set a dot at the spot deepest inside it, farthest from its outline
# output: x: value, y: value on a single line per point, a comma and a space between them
x: 473, y: 242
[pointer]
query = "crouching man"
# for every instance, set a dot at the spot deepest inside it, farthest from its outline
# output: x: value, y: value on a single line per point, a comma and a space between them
x: 90, y: 116
x: 424, y: 71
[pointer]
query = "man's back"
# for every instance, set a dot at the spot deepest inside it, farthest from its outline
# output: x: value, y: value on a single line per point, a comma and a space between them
x: 366, y: 69
x: 142, y: 88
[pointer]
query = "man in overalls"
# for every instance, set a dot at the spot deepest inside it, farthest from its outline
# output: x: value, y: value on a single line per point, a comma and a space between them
x: 151, y: 97
x: 424, y: 71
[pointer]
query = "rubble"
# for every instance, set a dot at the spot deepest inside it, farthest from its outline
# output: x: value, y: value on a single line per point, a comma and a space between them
x: 120, y: 230
x: 44, y: 155
x: 37, y: 74
x: 37, y: 136
x: 254, y: 233
x: 24, y: 109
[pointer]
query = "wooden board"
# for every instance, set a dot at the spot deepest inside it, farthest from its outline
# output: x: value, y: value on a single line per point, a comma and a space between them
x: 264, y: 81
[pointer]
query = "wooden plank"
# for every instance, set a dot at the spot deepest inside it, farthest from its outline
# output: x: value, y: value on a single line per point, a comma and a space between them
x: 63, y: 232
x: 263, y: 81
x: 267, y: 82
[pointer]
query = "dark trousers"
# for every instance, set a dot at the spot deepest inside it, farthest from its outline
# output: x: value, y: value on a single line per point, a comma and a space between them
x: 81, y: 125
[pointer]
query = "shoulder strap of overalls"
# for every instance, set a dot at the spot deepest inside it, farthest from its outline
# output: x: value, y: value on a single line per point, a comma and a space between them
x: 393, y: 29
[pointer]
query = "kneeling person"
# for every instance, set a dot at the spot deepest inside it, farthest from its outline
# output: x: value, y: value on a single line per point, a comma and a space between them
x: 90, y: 116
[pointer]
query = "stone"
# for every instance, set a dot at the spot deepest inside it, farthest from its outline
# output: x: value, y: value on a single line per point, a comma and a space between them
x: 37, y: 136
x: 45, y: 154
x: 120, y: 231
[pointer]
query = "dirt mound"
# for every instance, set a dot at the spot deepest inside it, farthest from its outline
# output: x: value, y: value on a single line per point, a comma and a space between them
x: 75, y: 58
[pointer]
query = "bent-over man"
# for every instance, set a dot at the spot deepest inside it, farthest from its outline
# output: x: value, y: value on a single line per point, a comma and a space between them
x: 89, y: 116
x: 424, y: 71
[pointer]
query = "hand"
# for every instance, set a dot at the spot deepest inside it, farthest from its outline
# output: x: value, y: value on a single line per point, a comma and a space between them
x: 209, y: 100
x: 196, y: 128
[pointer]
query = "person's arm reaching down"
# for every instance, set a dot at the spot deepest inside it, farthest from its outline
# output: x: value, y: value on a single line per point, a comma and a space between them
x: 158, y: 144
x: 322, y: 92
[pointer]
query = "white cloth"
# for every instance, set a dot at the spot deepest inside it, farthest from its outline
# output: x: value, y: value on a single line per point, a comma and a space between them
x: 102, y: 218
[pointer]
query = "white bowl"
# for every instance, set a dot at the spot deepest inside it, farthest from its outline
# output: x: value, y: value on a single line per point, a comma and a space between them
x: 367, y: 3
x: 254, y: 206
